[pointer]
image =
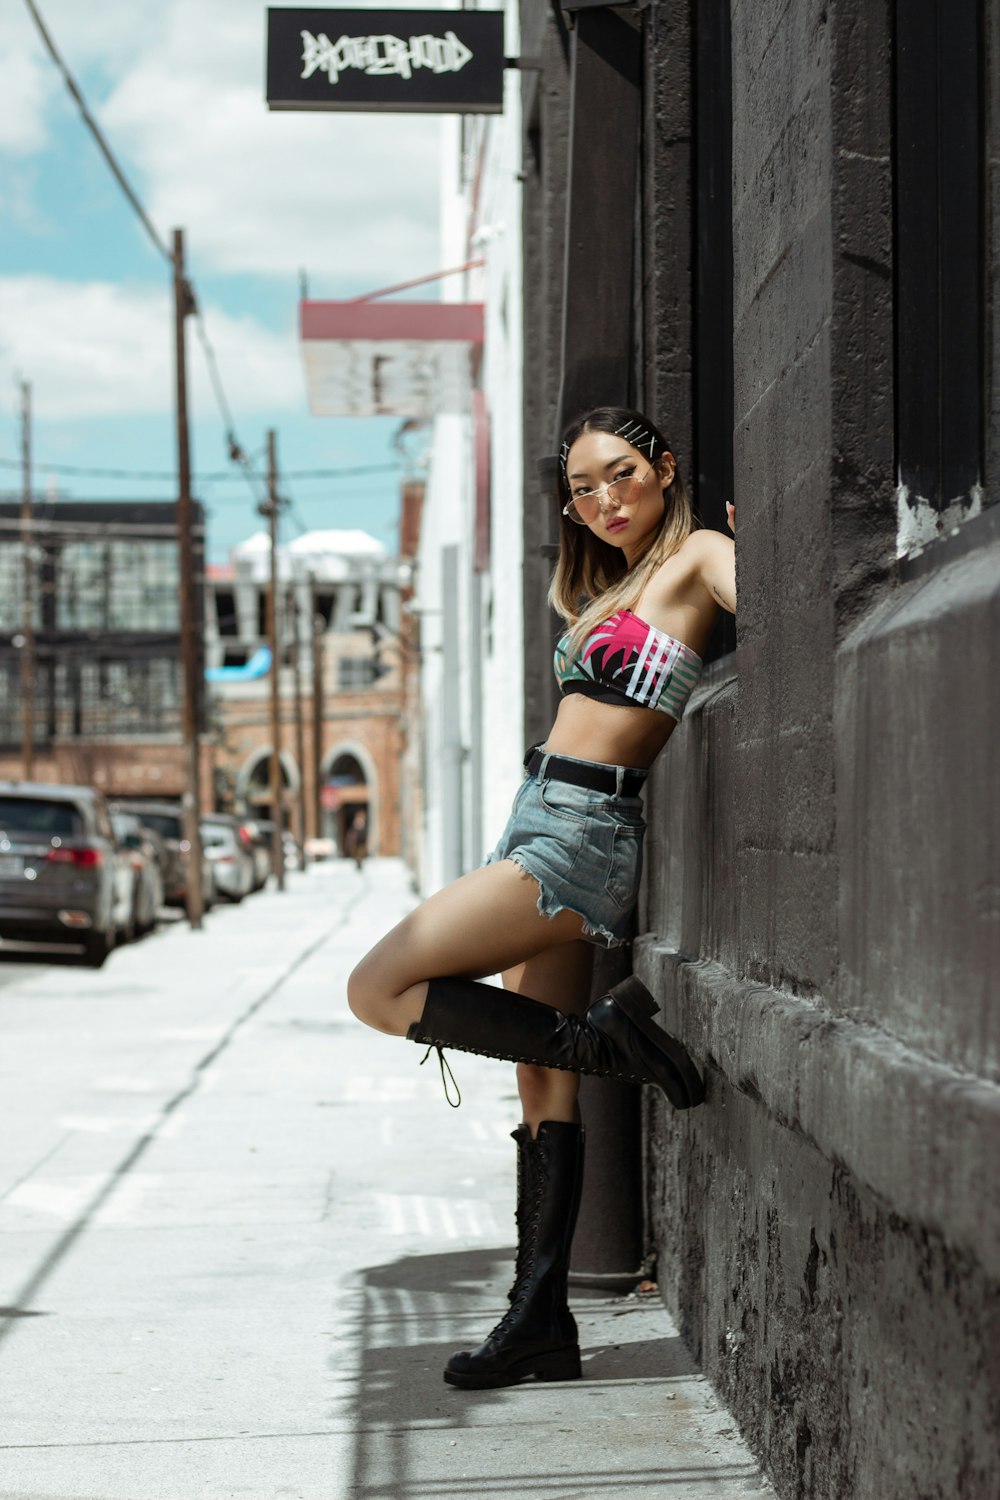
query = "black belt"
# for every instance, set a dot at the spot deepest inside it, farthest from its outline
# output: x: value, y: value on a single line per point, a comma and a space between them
x: 581, y: 773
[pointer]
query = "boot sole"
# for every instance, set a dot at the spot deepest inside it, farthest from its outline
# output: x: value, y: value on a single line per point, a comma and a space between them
x: 560, y: 1364
x: 632, y: 997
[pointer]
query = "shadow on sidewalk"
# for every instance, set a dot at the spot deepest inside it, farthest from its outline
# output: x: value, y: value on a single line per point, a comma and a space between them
x: 412, y: 1314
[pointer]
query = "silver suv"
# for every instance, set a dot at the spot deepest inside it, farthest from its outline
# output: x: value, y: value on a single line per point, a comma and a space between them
x: 63, y: 876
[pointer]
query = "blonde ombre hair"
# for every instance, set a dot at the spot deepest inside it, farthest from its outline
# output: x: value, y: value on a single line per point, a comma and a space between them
x: 592, y: 580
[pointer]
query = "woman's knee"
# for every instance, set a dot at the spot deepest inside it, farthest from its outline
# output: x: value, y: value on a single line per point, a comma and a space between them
x: 374, y: 995
x: 366, y: 997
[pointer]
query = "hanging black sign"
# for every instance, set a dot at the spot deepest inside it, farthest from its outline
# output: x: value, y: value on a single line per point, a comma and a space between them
x: 425, y: 61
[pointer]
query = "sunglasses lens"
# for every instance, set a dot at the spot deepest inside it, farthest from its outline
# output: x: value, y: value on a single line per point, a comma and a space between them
x: 585, y: 508
x: 625, y: 490
x: 582, y: 511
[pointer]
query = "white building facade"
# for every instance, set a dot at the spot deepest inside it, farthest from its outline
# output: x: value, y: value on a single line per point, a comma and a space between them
x: 469, y: 576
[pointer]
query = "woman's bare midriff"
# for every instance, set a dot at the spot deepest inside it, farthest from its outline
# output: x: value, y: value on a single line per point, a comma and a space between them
x: 604, y: 732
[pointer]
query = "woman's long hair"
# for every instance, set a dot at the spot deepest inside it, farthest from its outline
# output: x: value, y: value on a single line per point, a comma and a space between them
x: 592, y: 580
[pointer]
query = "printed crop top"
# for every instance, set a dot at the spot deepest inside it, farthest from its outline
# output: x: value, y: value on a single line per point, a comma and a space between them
x: 624, y: 660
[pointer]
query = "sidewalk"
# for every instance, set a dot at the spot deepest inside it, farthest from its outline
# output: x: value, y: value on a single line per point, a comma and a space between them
x: 240, y: 1234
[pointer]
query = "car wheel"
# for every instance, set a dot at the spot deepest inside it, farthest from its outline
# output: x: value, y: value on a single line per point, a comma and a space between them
x: 96, y: 947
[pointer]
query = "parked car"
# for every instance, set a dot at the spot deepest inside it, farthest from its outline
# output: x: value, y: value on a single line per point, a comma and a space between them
x: 149, y: 860
x: 290, y: 848
x: 64, y: 878
x: 166, y: 819
x: 258, y: 833
x: 262, y: 833
x: 230, y: 854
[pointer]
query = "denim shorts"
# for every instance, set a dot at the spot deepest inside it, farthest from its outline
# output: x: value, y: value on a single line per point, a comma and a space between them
x: 584, y: 849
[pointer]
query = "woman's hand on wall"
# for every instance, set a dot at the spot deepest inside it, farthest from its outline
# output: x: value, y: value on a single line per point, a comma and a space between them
x: 731, y: 516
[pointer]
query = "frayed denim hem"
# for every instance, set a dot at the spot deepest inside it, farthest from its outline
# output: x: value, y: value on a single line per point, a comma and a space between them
x: 550, y: 906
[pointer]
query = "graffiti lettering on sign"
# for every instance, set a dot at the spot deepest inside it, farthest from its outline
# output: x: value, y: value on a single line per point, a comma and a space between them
x: 382, y: 56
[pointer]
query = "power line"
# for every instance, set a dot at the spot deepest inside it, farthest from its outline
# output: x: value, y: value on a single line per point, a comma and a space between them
x: 210, y: 477
x: 236, y: 452
x: 95, y: 130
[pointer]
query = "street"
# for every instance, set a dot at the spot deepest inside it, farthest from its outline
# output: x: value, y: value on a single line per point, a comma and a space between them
x: 240, y: 1234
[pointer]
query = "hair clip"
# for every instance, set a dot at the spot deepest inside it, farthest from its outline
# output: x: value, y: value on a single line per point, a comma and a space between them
x: 636, y: 433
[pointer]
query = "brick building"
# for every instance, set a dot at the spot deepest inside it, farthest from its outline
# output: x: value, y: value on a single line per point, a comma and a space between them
x: 104, y: 589
x: 341, y: 628
x: 107, y: 698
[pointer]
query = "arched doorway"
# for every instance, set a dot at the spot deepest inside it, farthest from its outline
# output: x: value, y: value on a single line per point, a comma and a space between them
x: 349, y: 796
x: 253, y: 785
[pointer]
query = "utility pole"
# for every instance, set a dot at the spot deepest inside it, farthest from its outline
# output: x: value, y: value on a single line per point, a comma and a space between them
x: 270, y: 508
x: 184, y: 305
x: 292, y: 615
x: 317, y: 705
x: 27, y: 585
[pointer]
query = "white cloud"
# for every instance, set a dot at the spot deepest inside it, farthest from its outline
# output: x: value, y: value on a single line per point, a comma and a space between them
x: 34, y: 92
x: 27, y: 93
x: 96, y: 349
x: 346, y: 196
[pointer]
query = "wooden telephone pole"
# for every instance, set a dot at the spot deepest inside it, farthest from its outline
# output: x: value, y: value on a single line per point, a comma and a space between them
x: 317, y: 705
x: 190, y: 620
x: 292, y: 616
x: 270, y: 509
x: 28, y: 601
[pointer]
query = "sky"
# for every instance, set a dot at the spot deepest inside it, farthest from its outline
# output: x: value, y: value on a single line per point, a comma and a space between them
x: 86, y: 301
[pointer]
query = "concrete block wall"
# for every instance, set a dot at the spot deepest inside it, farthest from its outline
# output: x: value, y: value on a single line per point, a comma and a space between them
x: 664, y: 373
x: 820, y: 914
x: 545, y: 115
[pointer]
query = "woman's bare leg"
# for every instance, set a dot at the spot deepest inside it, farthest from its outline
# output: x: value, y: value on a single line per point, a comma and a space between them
x: 485, y: 923
x: 559, y: 977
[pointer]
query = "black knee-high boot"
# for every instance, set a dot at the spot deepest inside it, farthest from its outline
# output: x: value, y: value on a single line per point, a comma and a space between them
x: 537, y: 1335
x: 617, y: 1038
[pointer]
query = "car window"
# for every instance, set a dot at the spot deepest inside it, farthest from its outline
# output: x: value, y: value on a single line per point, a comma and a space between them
x: 167, y: 825
x: 40, y: 815
x: 102, y: 820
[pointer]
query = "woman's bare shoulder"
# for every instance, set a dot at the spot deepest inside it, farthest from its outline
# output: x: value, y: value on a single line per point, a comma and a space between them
x: 704, y: 542
x: 712, y: 558
x: 692, y: 571
x: 697, y: 548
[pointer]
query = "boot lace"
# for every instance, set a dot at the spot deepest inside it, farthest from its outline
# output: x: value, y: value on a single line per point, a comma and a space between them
x: 447, y: 1076
x: 527, y: 1243
x: 526, y: 1177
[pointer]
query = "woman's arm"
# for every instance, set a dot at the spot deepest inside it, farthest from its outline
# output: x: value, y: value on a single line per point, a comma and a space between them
x: 715, y: 559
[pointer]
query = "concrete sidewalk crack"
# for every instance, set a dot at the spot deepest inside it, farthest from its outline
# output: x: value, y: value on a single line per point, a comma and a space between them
x: 31, y: 1288
x: 36, y: 1166
x: 216, y: 1437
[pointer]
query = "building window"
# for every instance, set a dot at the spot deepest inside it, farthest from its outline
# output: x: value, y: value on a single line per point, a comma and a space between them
x: 117, y: 586
x: 124, y: 696
x: 225, y: 612
x: 354, y: 672
x: 78, y: 696
x: 938, y: 267
x: 11, y: 588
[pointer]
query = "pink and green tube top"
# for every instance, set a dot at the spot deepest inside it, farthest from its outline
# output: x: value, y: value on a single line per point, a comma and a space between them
x: 624, y: 660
